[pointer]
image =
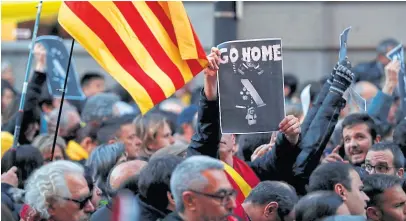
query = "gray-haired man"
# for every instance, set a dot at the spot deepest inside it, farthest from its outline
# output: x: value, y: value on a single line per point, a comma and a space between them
x: 201, y: 190
x: 58, y: 191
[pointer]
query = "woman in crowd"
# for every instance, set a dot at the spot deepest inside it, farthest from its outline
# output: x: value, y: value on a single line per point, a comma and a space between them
x: 155, y: 133
x: 44, y: 144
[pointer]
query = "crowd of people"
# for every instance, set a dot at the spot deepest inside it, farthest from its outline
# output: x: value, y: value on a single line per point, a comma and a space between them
x: 109, y: 162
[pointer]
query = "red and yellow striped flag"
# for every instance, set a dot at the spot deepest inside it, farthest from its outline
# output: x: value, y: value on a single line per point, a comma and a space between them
x: 149, y: 47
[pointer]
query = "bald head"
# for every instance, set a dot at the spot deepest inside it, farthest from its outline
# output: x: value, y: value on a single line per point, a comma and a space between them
x: 366, y: 89
x: 124, y: 171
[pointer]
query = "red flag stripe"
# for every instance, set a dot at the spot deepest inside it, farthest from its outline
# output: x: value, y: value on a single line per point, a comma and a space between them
x: 157, y: 9
x: 103, y: 29
x: 163, y: 18
x: 145, y: 35
x: 194, y: 66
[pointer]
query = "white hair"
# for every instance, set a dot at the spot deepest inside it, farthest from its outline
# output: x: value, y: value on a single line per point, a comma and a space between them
x: 48, y: 182
x: 67, y: 109
x: 188, y: 175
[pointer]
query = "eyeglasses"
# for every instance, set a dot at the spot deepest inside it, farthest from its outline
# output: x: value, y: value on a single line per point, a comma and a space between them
x: 377, y: 168
x: 224, y: 197
x: 81, y: 203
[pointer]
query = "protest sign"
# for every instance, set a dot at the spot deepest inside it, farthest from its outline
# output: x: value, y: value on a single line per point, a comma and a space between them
x: 250, y: 81
x: 397, y: 53
x: 359, y: 101
x: 305, y: 99
x: 57, y: 63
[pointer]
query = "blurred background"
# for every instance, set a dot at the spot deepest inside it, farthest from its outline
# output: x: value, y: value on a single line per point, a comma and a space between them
x: 309, y: 31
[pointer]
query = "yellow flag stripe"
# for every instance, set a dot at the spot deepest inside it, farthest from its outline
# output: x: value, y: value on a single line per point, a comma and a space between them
x: 244, y: 186
x: 109, y: 10
x: 163, y: 38
x: 183, y: 30
x: 98, y: 50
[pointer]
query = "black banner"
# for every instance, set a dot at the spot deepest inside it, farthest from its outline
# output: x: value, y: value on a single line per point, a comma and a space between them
x: 251, y: 86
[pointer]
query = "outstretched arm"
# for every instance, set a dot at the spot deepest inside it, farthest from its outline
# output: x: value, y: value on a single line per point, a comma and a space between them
x: 207, y: 137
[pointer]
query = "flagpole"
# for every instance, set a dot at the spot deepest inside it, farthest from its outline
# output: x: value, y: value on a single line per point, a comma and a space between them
x: 20, y: 112
x: 62, y: 99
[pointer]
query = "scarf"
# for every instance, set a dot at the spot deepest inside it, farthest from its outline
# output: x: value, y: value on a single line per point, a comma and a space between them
x: 243, y: 179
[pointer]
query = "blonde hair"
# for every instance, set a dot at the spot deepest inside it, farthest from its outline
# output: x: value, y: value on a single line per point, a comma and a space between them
x: 45, y: 142
x: 147, y: 127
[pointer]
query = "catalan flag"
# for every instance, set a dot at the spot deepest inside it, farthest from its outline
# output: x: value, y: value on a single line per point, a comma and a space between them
x: 149, y: 47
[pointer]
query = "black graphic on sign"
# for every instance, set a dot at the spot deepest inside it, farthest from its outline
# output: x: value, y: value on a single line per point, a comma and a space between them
x: 251, y: 86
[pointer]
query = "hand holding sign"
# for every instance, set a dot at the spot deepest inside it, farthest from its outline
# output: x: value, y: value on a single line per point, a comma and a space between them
x: 40, y: 54
x: 214, y: 62
x: 210, y: 74
x: 397, y: 54
x: 342, y: 56
x: 391, y: 77
x: 290, y: 126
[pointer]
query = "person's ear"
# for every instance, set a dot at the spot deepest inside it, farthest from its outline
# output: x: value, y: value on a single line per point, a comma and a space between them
x: 271, y: 210
x: 51, y: 208
x: 171, y: 201
x: 400, y: 172
x: 373, y: 214
x: 341, y: 191
x: 189, y: 201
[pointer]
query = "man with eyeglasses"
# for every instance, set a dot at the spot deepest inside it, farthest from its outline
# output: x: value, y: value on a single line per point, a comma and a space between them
x: 201, y: 191
x: 57, y: 191
x: 385, y: 158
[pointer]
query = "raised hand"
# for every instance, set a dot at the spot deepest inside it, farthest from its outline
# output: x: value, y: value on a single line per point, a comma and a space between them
x: 260, y: 151
x: 40, y: 55
x: 214, y: 62
x: 10, y: 177
x: 391, y: 77
x: 210, y: 74
x: 343, y: 77
x: 334, y: 156
x: 290, y: 126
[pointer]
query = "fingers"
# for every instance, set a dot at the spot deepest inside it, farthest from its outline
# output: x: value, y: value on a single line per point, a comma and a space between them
x: 214, y: 58
x: 393, y: 66
x: 290, y: 125
x: 336, y: 149
x: 39, y: 48
x: 260, y: 151
x: 12, y: 170
x: 294, y: 129
x: 285, y: 121
x: 273, y: 137
x: 333, y: 158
